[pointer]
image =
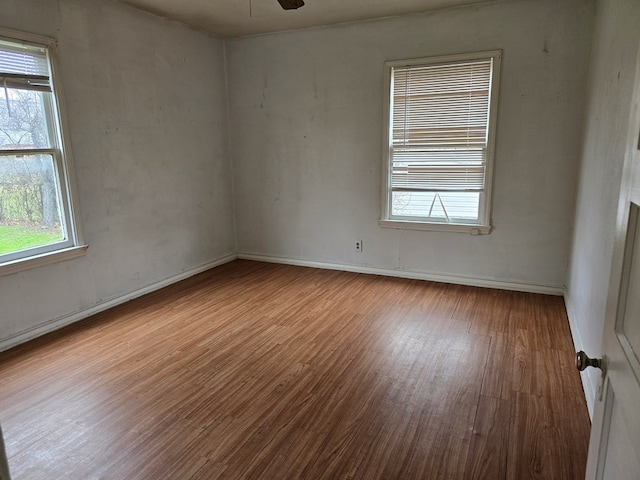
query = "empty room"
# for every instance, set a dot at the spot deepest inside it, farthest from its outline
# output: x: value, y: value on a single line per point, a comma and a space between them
x: 319, y: 239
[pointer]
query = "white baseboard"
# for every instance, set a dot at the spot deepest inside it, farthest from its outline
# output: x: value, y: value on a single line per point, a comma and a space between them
x: 434, y: 277
x: 63, y: 321
x: 590, y: 377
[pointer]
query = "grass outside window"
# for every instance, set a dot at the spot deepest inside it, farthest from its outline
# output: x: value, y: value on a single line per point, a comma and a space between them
x: 20, y: 237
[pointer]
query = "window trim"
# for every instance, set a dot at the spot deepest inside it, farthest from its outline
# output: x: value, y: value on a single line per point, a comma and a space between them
x: 74, y: 246
x: 484, y: 214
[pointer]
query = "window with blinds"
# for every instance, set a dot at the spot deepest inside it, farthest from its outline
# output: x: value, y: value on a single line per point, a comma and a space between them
x: 441, y: 114
x: 36, y: 208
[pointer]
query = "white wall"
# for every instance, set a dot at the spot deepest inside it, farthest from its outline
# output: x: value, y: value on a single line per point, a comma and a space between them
x: 147, y: 114
x: 616, y: 42
x: 306, y: 129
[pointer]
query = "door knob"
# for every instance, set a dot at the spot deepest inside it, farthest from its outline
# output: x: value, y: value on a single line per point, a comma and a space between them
x: 582, y: 361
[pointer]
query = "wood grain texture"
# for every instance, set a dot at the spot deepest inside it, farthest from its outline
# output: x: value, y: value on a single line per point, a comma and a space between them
x: 259, y: 371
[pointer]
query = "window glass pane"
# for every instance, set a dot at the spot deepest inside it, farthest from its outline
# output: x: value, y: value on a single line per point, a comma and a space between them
x: 437, y: 206
x: 23, y: 123
x: 29, y: 203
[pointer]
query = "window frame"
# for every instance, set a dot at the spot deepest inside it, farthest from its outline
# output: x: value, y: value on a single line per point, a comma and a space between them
x: 73, y: 246
x: 483, y: 225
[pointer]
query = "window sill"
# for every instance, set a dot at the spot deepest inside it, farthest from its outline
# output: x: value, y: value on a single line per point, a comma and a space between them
x: 16, y: 266
x: 436, y: 227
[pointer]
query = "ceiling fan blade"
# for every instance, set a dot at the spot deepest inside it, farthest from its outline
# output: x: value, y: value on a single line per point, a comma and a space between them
x: 291, y: 4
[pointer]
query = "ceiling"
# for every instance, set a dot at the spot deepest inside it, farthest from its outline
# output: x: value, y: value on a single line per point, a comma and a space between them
x: 233, y: 18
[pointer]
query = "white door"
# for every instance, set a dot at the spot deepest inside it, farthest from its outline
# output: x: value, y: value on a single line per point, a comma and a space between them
x: 4, y: 466
x: 614, y: 448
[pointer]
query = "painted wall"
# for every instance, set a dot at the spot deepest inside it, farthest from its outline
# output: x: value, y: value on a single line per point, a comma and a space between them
x: 306, y: 140
x: 146, y: 108
x: 616, y: 42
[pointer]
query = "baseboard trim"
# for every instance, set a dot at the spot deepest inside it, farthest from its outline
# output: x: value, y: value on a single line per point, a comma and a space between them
x: 63, y: 321
x: 590, y: 378
x: 434, y: 277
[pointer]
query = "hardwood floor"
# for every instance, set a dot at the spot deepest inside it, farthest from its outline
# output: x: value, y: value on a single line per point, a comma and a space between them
x: 259, y: 371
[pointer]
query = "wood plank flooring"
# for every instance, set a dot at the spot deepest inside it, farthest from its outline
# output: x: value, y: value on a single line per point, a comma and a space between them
x: 259, y: 371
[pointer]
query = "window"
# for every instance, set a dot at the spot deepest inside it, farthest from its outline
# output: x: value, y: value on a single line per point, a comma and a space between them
x: 439, y: 142
x: 36, y: 209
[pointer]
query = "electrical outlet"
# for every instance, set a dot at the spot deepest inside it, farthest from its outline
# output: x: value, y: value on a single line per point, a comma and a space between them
x: 358, y: 245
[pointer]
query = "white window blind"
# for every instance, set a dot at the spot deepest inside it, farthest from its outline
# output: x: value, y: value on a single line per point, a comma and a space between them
x: 440, y: 122
x: 24, y: 67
